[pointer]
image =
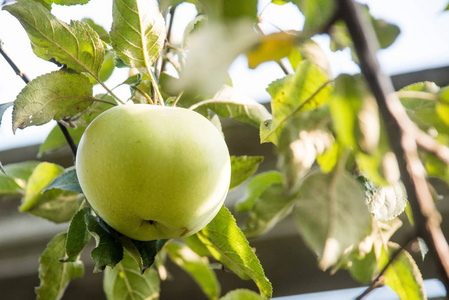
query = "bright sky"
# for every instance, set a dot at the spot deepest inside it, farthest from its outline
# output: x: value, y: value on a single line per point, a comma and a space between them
x: 423, y: 43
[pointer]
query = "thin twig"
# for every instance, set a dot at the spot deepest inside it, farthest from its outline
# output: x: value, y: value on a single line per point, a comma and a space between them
x: 376, y: 282
x: 167, y: 42
x: 401, y: 138
x: 25, y: 79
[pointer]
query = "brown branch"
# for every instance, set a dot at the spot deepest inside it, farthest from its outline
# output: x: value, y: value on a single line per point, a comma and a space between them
x: 402, y: 140
x: 25, y: 79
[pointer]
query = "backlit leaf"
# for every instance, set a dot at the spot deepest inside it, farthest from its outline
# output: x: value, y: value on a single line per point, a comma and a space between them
x: 302, y: 140
x: 403, y: 275
x: 55, y: 275
x: 273, y: 47
x: 102, y: 33
x: 256, y: 186
x: 67, y: 181
x: 226, y: 243
x: 77, y: 236
x: 108, y: 251
x: 318, y: 14
x: 124, y: 281
x: 311, y: 51
x: 196, y: 266
x: 307, y: 89
x: 67, y: 2
x: 442, y: 106
x: 52, y: 96
x: 331, y: 214
x: 388, y: 202
x: 229, y: 10
x: 138, y: 32
x: 241, y: 294
x: 230, y: 103
x: 3, y: 108
x: 76, y: 44
x: 242, y: 167
x: 271, y: 207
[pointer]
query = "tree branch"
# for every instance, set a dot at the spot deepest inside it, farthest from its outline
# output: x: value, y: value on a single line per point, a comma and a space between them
x: 25, y: 79
x: 401, y: 135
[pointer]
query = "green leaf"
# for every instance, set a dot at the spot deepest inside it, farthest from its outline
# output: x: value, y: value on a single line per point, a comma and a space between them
x: 194, y: 243
x: 230, y: 103
x: 442, y: 106
x: 68, y: 2
x: 76, y: 45
x: 227, y: 244
x: 318, y: 14
x: 242, y: 167
x: 415, y: 99
x: 209, y: 58
x: 52, y: 96
x: 108, y: 251
x: 56, y: 140
x: 364, y: 267
x: 403, y: 275
x: 41, y: 177
x: 138, y: 32
x: 307, y: 89
x: 388, y: 202
x: 3, y: 108
x: 256, y: 186
x: 239, y: 294
x: 273, y: 47
x: 67, y: 181
x: 355, y: 114
x: 21, y: 172
x: 107, y: 68
x: 270, y: 208
x: 55, y: 275
x: 102, y: 33
x: 196, y: 266
x: 301, y: 141
x: 311, y: 51
x: 143, y: 252
x: 8, y: 186
x: 77, y: 236
x: 386, y: 33
x: 125, y: 282
x: 230, y: 10
x: 331, y: 214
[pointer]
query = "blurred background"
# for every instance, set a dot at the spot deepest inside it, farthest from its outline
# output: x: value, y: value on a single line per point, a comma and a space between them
x: 421, y: 52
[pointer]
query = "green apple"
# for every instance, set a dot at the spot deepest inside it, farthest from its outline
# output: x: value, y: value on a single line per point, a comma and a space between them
x: 153, y: 172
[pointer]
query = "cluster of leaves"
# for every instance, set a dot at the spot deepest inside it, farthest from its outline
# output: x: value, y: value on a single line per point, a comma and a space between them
x: 336, y: 175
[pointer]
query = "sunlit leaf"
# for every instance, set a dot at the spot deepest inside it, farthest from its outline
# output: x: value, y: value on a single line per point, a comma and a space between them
x: 355, y: 114
x: 256, y: 186
x: 3, y: 108
x: 108, y: 251
x: 422, y: 110
x: 209, y: 57
x: 76, y: 44
x: 55, y: 275
x: 230, y: 10
x: 363, y: 267
x: 311, y: 51
x: 273, y: 47
x: 388, y: 202
x: 442, y: 106
x: 67, y: 2
x: 271, y: 207
x: 52, y: 96
x: 67, y: 181
x: 102, y: 33
x: 307, y: 89
x: 403, y: 275
x: 124, y: 281
x: 226, y: 243
x: 242, y: 167
x: 331, y: 214
x: 230, y: 103
x: 107, y: 68
x: 196, y: 266
x: 54, y: 205
x: 241, y: 294
x: 77, y: 236
x: 138, y: 32
x: 318, y: 14
x: 302, y: 140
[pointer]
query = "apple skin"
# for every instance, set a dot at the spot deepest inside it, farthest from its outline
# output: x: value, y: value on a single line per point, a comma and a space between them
x: 153, y: 172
